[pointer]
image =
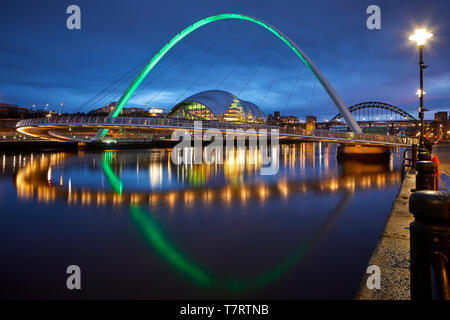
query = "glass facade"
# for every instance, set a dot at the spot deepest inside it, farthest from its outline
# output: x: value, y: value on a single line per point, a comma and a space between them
x: 235, y: 112
x: 217, y: 105
x: 192, y: 110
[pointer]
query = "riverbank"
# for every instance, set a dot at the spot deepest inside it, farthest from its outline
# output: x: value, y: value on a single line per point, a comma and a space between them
x: 392, y: 252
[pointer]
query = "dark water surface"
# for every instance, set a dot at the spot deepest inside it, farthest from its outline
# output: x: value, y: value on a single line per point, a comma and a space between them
x: 141, y: 227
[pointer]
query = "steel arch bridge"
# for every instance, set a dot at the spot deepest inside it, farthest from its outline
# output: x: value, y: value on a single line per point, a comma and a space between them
x: 376, y: 106
x: 353, y: 125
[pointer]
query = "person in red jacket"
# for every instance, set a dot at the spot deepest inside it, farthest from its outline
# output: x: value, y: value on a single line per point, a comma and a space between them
x: 429, y: 145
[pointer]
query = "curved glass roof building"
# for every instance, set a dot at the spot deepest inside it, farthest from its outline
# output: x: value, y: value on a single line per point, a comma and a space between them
x: 217, y: 105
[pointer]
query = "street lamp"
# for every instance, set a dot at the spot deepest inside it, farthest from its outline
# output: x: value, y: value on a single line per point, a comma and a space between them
x: 421, y: 36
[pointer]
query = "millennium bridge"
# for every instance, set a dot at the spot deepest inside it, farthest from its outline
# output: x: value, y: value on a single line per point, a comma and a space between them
x: 113, y: 129
x: 124, y: 129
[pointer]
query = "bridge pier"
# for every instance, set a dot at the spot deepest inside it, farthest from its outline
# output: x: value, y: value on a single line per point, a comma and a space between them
x: 357, y: 151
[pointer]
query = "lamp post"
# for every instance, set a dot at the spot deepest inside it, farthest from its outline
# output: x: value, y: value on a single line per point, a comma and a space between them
x: 421, y: 36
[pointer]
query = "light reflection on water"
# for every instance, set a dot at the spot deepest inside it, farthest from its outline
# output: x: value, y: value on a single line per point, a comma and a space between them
x: 202, y: 231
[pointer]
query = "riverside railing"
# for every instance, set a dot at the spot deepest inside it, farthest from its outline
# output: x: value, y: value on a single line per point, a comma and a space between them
x: 364, y: 137
x: 147, y: 122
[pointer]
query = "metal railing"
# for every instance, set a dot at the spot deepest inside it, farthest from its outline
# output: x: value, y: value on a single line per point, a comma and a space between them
x: 211, y: 124
x: 157, y: 122
x: 364, y: 137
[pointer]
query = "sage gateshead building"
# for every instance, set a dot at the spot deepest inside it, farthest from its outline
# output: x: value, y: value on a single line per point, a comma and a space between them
x: 217, y: 105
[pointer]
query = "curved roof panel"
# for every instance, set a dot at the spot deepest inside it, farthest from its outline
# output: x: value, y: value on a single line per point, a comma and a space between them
x: 256, y: 111
x: 217, y: 101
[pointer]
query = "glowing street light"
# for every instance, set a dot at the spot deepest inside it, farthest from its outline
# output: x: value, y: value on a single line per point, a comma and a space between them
x: 421, y: 36
x: 419, y: 92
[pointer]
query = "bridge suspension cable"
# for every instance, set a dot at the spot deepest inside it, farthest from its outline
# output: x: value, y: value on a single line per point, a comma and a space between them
x: 184, y: 54
x: 238, y: 62
x: 271, y: 85
x: 299, y: 75
x: 195, y: 82
x: 183, y: 71
x: 252, y: 76
x: 107, y: 90
x: 312, y: 95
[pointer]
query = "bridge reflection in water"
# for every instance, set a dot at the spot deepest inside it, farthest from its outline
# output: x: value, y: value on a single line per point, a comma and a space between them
x: 229, y: 231
x: 165, y: 183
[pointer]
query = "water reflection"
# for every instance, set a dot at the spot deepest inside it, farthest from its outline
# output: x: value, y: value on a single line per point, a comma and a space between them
x: 282, y: 229
x: 156, y: 181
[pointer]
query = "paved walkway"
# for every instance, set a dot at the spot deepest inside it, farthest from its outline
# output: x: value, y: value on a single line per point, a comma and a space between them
x: 392, y: 251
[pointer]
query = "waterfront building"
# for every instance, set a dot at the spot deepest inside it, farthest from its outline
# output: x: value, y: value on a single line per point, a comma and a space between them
x: 217, y: 105
x: 156, y: 112
x: 441, y: 116
x: 311, y: 124
x: 10, y: 114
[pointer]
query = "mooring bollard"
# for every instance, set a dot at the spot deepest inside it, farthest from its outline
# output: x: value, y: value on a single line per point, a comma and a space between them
x: 430, y: 245
x: 426, y: 175
x: 424, y: 156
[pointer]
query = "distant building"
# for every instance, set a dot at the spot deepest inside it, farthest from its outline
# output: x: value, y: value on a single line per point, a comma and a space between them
x: 441, y: 116
x: 10, y: 114
x: 289, y: 120
x: 12, y: 111
x: 156, y: 112
x: 127, y: 112
x: 311, y: 124
x: 133, y: 112
x: 276, y: 117
x: 439, y: 128
x: 104, y: 110
x: 289, y: 123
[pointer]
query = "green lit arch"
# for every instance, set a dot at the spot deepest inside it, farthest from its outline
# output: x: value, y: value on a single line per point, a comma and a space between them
x: 291, y: 44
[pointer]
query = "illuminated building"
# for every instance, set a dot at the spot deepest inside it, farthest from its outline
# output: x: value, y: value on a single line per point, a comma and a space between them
x: 217, y: 105
x: 290, y: 124
x: 127, y: 112
x: 155, y: 112
x: 311, y: 122
x: 440, y: 127
x: 10, y: 114
x: 441, y: 116
x: 104, y: 110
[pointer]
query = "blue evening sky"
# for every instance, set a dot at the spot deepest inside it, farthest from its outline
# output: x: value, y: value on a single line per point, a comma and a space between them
x: 42, y: 62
